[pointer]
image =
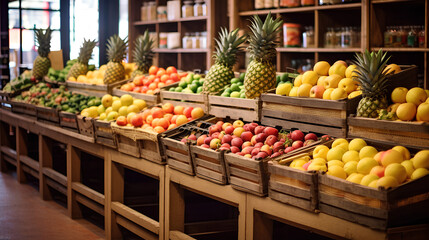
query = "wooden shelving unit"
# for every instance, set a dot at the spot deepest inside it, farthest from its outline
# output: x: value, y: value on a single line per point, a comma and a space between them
x: 372, y: 16
x: 184, y: 59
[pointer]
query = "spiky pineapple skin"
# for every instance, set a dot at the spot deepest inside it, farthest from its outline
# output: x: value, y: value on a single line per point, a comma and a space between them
x: 260, y: 77
x: 217, y: 78
x: 136, y: 73
x: 77, y: 69
x: 114, y: 72
x: 368, y: 107
x: 41, y: 67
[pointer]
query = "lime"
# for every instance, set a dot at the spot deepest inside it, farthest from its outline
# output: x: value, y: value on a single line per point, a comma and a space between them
x: 241, y: 87
x: 228, y: 90
x: 187, y: 90
x: 235, y: 80
x: 240, y: 83
x: 243, y: 95
x: 193, y: 87
x: 201, y: 81
x: 199, y: 89
x: 179, y: 89
x: 284, y: 77
x: 183, y: 84
x: 235, y: 94
x: 189, y: 78
x: 172, y: 89
x: 243, y: 90
x: 235, y: 87
x: 242, y: 76
x: 197, y: 77
x: 195, y: 82
x: 225, y: 94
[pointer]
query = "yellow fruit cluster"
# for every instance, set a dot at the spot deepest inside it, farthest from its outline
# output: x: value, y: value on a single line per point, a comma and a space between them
x: 357, y: 162
x: 96, y: 77
x: 410, y: 104
x: 324, y: 81
x: 112, y: 107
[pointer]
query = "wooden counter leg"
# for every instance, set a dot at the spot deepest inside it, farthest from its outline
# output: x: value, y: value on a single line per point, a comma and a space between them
x: 114, y: 173
x: 174, y: 207
x: 73, y: 175
x: 21, y: 149
x: 3, y: 139
x: 45, y: 159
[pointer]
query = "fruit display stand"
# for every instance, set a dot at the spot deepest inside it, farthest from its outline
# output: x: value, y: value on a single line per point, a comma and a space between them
x: 103, y: 133
x: 86, y: 126
x: 398, y: 132
x: 184, y: 99
x: 5, y: 97
x: 68, y: 121
x: 235, y: 108
x: 24, y: 108
x: 48, y: 115
x: 93, y: 89
x: 150, y: 99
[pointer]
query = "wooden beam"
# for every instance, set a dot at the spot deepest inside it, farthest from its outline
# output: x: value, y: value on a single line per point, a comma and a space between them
x: 55, y: 185
x: 88, y: 192
x: 136, y: 217
x: 54, y: 175
x: 73, y: 175
x: 178, y: 235
x: 90, y: 204
x: 29, y: 162
x: 141, y: 232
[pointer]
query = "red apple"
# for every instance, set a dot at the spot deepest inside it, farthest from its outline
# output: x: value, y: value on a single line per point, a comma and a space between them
x: 205, y: 146
x: 200, y: 140
x: 187, y: 111
x: 229, y: 129
x: 271, y: 131
x: 192, y: 137
x: 259, y: 129
x: 277, y: 146
x: 266, y: 149
x: 253, y: 140
x: 289, y: 149
x: 271, y: 139
x: 121, y: 121
x: 137, y: 120
x: 246, y: 136
x: 208, y: 140
x: 214, y: 128
x: 246, y: 144
x: 297, y: 135
x: 246, y: 126
x: 259, y: 144
x: 220, y: 124
x: 226, y: 145
x: 310, y: 136
x: 326, y: 137
x: 255, y: 151
x: 215, y: 135
x: 297, y: 144
x: 261, y: 137
x: 214, y: 143
x: 305, y: 166
x: 240, y: 153
x: 234, y: 149
x: 237, y: 142
x: 261, y: 155
x: 317, y: 91
x: 184, y: 140
x: 247, y: 150
x: 225, y: 125
x: 226, y: 139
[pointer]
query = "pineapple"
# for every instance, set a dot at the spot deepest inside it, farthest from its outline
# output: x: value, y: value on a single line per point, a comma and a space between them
x: 81, y: 66
x: 261, y: 72
x: 221, y: 72
x: 42, y: 63
x: 116, y: 52
x: 143, y: 54
x: 373, y: 81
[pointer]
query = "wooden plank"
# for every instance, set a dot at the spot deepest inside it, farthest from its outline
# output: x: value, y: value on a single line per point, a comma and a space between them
x: 114, y: 191
x: 29, y: 162
x: 174, y: 143
x: 90, y: 204
x: 206, y: 164
x: 225, y: 112
x: 182, y: 96
x: 304, y: 102
x: 307, y: 115
x: 73, y: 175
x: 10, y: 160
x: 234, y: 102
x: 31, y: 171
x: 205, y: 152
x: 404, y: 126
x: 241, y: 161
x: 54, y: 175
x: 244, y: 174
x: 88, y: 192
x: 135, y: 228
x: 46, y: 161
x: 181, y: 166
x: 290, y: 199
x: 286, y: 171
x: 178, y: 235
x: 247, y: 186
x: 55, y: 185
x: 136, y: 217
x: 210, y: 175
x: 290, y: 190
x: 142, y: 165
x: 199, y: 228
x: 8, y: 151
x: 178, y: 156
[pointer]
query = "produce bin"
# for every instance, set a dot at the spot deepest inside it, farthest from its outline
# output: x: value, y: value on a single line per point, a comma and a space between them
x: 68, y: 121
x: 103, y: 133
x: 23, y: 108
x: 185, y: 99
x: 48, y: 115
x: 86, y: 126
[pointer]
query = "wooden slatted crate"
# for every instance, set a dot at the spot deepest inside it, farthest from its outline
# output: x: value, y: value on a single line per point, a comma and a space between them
x: 103, y: 133
x: 178, y: 155
x: 398, y: 132
x: 68, y: 121
x: 235, y: 108
x: 23, y: 108
x: 86, y: 126
x: 209, y: 164
x: 149, y: 99
x: 48, y: 115
x: 93, y: 89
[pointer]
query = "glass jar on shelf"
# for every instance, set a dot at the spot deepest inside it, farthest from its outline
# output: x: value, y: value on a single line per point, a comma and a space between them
x: 163, y: 39
x: 203, y: 40
x: 151, y: 11
x: 421, y: 37
x: 196, y: 40
x: 161, y: 13
x: 337, y: 39
x: 291, y: 35
x: 308, y: 37
x: 259, y: 4
x: 412, y: 37
x: 307, y: 2
x: 187, y: 41
x: 187, y: 9
x: 324, y: 2
x: 328, y: 38
x: 345, y: 37
x: 290, y: 3
x: 198, y: 8
x: 143, y: 12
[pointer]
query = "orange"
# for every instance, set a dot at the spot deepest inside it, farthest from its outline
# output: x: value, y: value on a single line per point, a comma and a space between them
x: 181, y: 119
x: 152, y: 86
x: 159, y: 129
x: 132, y: 85
x: 168, y: 116
x: 161, y: 84
x: 171, y: 70
x: 153, y: 70
x: 151, y: 78
x: 145, y: 114
x: 155, y: 122
x: 169, y: 81
x: 150, y: 92
x: 160, y: 72
x: 173, y: 125
x: 173, y: 119
x: 178, y: 110
x: 164, y: 123
x: 174, y: 77
x: 156, y: 80
x: 182, y: 74
x: 168, y: 108
x: 149, y: 119
x: 158, y: 113
x: 144, y: 89
x: 164, y: 78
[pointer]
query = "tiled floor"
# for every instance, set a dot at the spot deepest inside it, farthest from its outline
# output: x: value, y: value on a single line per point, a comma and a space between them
x: 24, y: 215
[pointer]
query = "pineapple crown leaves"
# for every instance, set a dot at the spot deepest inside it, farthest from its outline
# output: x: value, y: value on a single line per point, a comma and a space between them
x: 116, y: 48
x: 43, y: 41
x: 143, y: 53
x: 369, y: 70
x: 227, y: 46
x: 263, y: 40
x: 86, y: 51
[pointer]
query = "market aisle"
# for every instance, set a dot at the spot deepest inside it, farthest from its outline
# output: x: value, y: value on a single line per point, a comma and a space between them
x: 24, y: 215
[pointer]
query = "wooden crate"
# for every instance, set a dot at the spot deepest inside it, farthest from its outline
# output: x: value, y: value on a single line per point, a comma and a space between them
x: 92, y: 89
x: 48, y: 115
x: 68, y: 121
x: 209, y: 164
x: 149, y: 99
x: 86, y: 126
x: 139, y: 143
x: 308, y: 114
x: 376, y: 208
x: 5, y: 97
x: 103, y: 133
x: 23, y: 108
x: 185, y: 99
x: 246, y: 174
x: 398, y: 132
x: 407, y: 78
x: 235, y: 108
x: 178, y: 155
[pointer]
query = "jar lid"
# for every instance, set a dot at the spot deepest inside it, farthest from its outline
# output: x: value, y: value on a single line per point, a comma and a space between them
x: 295, y: 25
x: 188, y: 2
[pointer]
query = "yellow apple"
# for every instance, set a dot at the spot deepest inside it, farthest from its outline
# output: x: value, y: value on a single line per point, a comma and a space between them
x: 423, y: 112
x: 403, y: 150
x: 355, y: 178
x: 419, y: 172
x: 387, y: 182
x: 392, y: 108
x: 310, y: 77
x: 351, y: 71
x: 367, y: 151
x: 347, y: 84
x: 304, y: 90
x: 320, y: 151
x: 357, y: 144
x: 351, y: 155
x: 327, y: 93
x: 284, y: 89
x: 421, y: 159
x: 342, y: 142
x: 322, y: 68
x: 397, y: 171
x: 335, y: 153
x: 406, y: 111
x: 377, y: 170
x: 335, y: 163
x: 337, y: 171
x: 350, y: 167
x: 298, y: 81
x: 408, y: 165
x: 373, y: 184
x: 317, y: 91
x: 416, y: 95
x: 338, y: 93
x: 367, y: 179
x: 365, y: 165
x: 399, y: 95
x: 293, y: 92
x: 339, y: 69
x: 332, y: 81
x: 321, y: 81
x: 354, y: 94
x: 391, y: 156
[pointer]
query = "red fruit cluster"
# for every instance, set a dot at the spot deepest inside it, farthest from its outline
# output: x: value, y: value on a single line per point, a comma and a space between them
x: 158, y: 78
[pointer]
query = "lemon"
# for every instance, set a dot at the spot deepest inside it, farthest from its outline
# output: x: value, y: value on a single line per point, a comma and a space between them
x: 406, y: 111
x: 321, y: 68
x: 399, y: 95
x: 284, y: 89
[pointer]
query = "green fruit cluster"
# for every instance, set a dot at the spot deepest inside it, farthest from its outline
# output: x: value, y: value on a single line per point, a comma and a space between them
x: 236, y: 88
x: 60, y: 98
x: 60, y: 75
x: 285, y: 78
x: 192, y: 83
x: 21, y: 82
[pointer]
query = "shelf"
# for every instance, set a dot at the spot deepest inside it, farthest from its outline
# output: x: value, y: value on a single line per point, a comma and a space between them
x: 180, y: 50
x: 141, y: 23
x: 392, y: 1
x: 300, y: 9
x: 311, y: 50
x: 401, y: 49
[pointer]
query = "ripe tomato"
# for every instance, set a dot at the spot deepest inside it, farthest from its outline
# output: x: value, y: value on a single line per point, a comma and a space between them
x: 164, y: 78
x: 153, y: 70
x: 161, y: 71
x: 171, y: 70
x: 174, y: 77
x: 169, y: 81
x: 153, y: 86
